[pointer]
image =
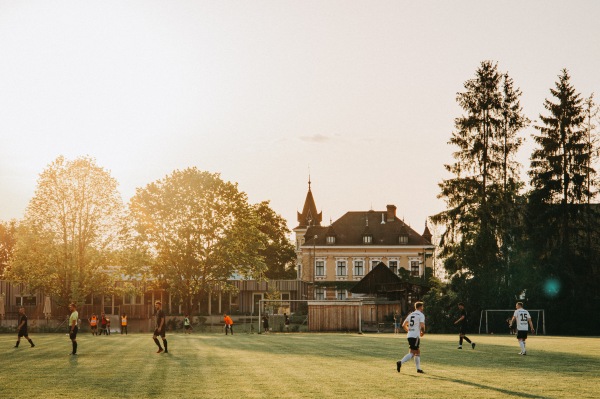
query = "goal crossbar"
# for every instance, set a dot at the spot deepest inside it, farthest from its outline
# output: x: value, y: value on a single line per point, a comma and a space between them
x: 537, y: 322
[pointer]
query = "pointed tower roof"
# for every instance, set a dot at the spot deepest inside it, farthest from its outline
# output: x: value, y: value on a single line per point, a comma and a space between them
x: 309, y: 215
x: 427, y: 234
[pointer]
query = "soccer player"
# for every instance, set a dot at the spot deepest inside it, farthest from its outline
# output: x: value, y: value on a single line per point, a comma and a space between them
x: 286, y: 322
x: 462, y: 322
x: 73, y: 318
x: 228, y: 323
x: 103, y: 324
x: 123, y: 323
x: 94, y: 324
x: 22, y: 328
x: 160, y: 327
x: 523, y: 320
x: 414, y: 325
x: 187, y: 328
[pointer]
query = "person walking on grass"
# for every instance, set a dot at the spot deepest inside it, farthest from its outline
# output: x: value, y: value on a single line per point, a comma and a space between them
x: 94, y: 324
x: 187, y: 328
x: 228, y: 324
x: 523, y: 321
x: 160, y: 327
x: 124, y: 323
x: 73, y: 318
x: 462, y: 323
x: 22, y: 328
x: 414, y: 325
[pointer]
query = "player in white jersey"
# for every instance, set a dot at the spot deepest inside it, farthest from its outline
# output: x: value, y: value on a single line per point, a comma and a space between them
x: 523, y: 321
x: 414, y: 325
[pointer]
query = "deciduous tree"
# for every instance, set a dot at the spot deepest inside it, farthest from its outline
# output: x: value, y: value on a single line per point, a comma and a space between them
x: 69, y: 232
x: 201, y: 230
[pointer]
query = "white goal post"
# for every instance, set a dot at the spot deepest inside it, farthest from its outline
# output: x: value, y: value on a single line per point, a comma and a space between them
x: 509, y: 313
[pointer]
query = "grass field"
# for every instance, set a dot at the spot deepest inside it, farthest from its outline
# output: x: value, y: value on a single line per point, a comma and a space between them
x: 297, y: 366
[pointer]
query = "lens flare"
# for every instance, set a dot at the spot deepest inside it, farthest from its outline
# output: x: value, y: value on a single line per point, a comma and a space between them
x: 552, y: 287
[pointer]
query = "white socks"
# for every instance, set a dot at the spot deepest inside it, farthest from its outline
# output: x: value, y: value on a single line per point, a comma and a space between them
x: 407, y: 358
x: 522, y: 343
x: 418, y: 362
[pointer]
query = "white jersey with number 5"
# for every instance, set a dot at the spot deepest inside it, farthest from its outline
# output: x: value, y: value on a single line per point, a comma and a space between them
x: 522, y: 316
x: 414, y: 324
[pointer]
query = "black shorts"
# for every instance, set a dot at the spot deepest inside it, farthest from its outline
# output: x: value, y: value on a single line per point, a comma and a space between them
x: 94, y: 328
x: 522, y: 334
x: 463, y: 330
x: 159, y: 332
x: 187, y: 327
x: 73, y: 333
x: 413, y: 343
x: 23, y: 333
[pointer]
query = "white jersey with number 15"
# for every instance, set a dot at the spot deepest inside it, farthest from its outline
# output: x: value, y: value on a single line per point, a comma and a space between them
x: 414, y: 324
x: 522, y: 316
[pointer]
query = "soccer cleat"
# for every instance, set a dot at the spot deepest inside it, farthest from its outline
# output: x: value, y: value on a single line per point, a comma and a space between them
x: 459, y: 347
x: 420, y: 371
x: 524, y: 353
x: 473, y: 345
x: 166, y: 351
x: 398, y: 365
x: 32, y: 345
x: 520, y: 353
x: 160, y: 350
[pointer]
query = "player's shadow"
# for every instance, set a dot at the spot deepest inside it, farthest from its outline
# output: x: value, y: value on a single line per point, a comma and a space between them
x: 489, y: 388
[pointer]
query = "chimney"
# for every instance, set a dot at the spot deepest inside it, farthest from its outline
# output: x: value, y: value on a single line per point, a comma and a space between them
x: 391, y: 213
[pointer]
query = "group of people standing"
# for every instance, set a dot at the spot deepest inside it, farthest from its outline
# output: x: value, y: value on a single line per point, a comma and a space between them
x: 414, y: 325
x: 104, y: 322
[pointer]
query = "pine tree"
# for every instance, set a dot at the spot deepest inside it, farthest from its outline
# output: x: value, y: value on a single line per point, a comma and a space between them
x: 485, y: 176
x: 563, y: 183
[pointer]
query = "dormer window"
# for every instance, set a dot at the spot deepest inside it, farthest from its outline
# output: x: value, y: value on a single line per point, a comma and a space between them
x: 367, y: 239
x: 403, y: 239
x: 330, y: 240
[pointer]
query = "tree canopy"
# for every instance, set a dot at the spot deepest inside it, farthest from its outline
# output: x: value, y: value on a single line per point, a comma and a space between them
x: 69, y: 231
x: 202, y: 230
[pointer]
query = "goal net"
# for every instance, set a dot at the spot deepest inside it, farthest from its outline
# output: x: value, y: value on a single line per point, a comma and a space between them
x: 496, y: 321
x: 276, y: 311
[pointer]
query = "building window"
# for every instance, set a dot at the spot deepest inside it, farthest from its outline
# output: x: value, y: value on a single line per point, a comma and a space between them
x: 319, y: 294
x: 330, y: 240
x: 132, y: 300
x: 341, y: 295
x: 374, y: 263
x: 403, y: 239
x: 394, y: 266
x: 341, y: 268
x: 368, y: 239
x: 26, y: 301
x: 359, y: 268
x: 414, y: 268
x: 319, y: 268
x: 299, y: 268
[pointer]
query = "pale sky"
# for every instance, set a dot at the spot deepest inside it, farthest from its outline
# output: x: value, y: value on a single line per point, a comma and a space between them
x: 362, y: 92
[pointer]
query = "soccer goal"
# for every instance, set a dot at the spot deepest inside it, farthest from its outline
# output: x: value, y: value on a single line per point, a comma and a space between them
x: 496, y: 321
x: 276, y: 310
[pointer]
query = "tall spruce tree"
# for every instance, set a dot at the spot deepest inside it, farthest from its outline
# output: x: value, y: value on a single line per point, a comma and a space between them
x: 563, y: 184
x: 485, y: 176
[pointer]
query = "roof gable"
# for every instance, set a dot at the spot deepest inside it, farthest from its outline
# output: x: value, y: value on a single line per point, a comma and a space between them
x: 374, y: 280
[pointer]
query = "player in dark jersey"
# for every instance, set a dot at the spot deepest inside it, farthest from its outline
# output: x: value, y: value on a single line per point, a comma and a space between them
x: 160, y: 327
x: 22, y: 328
x: 462, y: 322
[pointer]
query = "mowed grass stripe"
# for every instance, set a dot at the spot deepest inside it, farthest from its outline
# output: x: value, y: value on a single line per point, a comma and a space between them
x: 297, y: 366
